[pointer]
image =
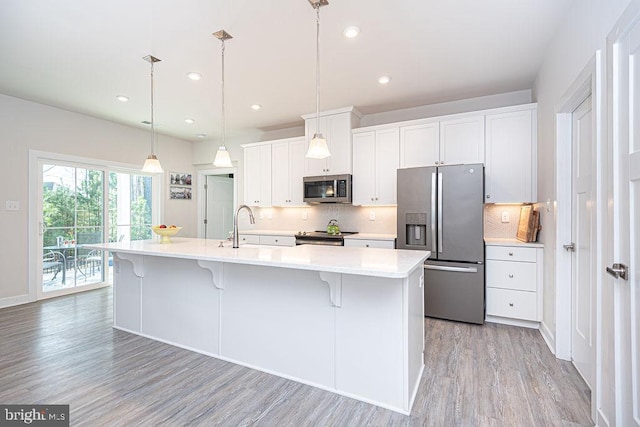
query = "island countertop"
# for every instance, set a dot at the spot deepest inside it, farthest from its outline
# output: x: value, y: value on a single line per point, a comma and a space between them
x: 389, y: 263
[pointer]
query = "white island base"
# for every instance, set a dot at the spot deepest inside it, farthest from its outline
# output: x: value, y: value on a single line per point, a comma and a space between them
x: 358, y: 335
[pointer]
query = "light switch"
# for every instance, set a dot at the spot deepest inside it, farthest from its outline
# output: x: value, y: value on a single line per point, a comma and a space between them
x: 505, y: 216
x: 305, y: 215
x: 12, y: 205
x: 372, y: 215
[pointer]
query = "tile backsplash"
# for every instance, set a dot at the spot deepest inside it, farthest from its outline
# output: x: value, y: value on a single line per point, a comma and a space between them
x: 350, y: 218
x: 493, y: 225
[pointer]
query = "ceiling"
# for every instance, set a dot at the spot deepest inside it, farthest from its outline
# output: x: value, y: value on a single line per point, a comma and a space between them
x: 78, y: 55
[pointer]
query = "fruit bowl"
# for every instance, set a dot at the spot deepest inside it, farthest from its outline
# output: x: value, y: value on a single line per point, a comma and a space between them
x: 165, y: 232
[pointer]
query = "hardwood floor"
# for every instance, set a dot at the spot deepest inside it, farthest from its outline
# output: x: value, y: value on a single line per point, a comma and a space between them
x: 64, y: 351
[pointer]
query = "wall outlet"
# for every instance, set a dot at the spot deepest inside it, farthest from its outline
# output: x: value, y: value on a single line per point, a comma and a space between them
x: 261, y: 215
x: 12, y: 205
x: 305, y: 215
x: 505, y: 216
x: 372, y: 215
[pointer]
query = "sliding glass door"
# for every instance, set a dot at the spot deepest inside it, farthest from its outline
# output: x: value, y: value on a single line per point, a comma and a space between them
x: 80, y: 205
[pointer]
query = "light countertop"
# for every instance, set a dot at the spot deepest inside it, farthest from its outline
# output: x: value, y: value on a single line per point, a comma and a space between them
x: 510, y: 242
x: 390, y: 263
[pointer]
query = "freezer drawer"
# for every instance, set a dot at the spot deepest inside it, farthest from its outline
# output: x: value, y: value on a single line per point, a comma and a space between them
x: 454, y: 291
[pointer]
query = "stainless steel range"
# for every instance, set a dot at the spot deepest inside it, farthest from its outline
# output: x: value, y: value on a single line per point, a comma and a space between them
x: 322, y: 238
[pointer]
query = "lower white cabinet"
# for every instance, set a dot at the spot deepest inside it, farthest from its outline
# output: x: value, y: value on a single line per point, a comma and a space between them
x: 267, y: 239
x: 369, y: 243
x: 514, y: 283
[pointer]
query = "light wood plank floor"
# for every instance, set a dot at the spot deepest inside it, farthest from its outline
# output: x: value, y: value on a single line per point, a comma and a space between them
x: 65, y: 351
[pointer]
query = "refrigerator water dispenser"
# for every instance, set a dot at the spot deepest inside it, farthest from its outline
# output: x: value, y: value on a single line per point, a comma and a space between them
x: 416, y: 229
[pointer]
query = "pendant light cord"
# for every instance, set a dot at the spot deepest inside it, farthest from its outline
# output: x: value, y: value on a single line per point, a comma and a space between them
x: 224, y: 125
x: 153, y: 131
x: 318, y: 68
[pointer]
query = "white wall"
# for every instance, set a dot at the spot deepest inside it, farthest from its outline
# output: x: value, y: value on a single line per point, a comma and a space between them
x: 575, y: 43
x: 28, y: 126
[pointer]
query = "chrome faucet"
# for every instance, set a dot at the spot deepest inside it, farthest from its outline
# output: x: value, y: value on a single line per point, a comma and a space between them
x: 236, y: 243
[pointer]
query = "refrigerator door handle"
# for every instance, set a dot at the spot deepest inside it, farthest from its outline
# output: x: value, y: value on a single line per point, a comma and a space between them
x: 456, y: 269
x: 433, y: 212
x: 439, y: 212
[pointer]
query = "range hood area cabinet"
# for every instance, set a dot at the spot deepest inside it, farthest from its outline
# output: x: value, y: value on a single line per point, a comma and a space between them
x: 257, y: 174
x: 375, y: 165
x: 511, y: 153
x: 446, y: 141
x: 336, y: 127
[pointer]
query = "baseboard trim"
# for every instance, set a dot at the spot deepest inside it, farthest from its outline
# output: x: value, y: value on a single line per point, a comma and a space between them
x: 513, y: 322
x: 17, y: 300
x: 548, y: 337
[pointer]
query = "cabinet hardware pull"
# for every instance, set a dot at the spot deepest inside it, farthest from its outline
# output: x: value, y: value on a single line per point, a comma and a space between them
x: 488, y: 196
x: 510, y: 304
x: 510, y: 253
x: 510, y: 276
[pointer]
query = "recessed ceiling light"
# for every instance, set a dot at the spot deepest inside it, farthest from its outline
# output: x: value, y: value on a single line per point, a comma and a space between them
x: 256, y: 107
x: 190, y: 121
x: 194, y: 76
x: 351, y: 32
x: 383, y: 80
x: 122, y: 98
x: 201, y: 135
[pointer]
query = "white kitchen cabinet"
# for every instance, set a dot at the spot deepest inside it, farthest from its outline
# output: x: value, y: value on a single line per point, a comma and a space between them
x: 420, y: 145
x: 510, y: 169
x: 375, y: 165
x: 287, y: 171
x: 450, y: 141
x: 336, y: 128
x: 462, y: 140
x: 257, y: 175
x: 369, y: 243
x: 514, y: 284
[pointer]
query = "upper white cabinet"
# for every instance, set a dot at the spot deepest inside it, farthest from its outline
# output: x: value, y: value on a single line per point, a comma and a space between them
x: 420, y: 145
x: 257, y: 175
x: 287, y: 171
x: 335, y: 126
x: 375, y: 165
x: 462, y: 140
x: 510, y: 169
x: 445, y: 142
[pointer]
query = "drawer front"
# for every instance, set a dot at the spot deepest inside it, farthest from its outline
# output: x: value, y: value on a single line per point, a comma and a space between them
x: 511, y: 275
x: 278, y: 240
x: 249, y: 238
x: 511, y: 253
x: 513, y: 304
x: 360, y: 243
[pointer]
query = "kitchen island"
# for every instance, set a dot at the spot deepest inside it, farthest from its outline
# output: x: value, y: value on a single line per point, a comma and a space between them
x: 347, y: 320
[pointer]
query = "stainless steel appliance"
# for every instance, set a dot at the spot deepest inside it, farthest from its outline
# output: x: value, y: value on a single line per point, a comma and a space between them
x: 440, y: 209
x: 322, y: 238
x: 327, y: 189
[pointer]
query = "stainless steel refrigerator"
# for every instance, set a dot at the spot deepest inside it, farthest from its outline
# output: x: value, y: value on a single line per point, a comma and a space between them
x: 440, y: 209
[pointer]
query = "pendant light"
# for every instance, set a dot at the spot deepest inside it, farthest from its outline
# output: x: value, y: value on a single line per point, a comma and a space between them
x: 152, y: 164
x: 223, y: 160
x: 318, y: 148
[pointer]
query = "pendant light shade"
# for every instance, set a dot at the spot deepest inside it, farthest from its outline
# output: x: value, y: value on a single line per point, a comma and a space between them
x: 152, y: 164
x: 318, y: 148
x: 223, y: 159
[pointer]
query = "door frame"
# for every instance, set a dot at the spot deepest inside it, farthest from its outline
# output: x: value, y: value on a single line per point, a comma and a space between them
x: 201, y: 192
x: 589, y: 82
x: 35, y: 202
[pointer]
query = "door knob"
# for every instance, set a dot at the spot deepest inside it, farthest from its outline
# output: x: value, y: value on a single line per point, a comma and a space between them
x: 571, y: 247
x: 619, y: 271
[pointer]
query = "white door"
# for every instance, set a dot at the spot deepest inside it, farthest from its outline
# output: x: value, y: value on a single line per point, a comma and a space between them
x: 219, y: 207
x: 583, y: 235
x: 626, y: 218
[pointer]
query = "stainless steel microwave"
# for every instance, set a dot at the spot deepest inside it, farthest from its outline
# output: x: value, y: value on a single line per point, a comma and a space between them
x: 327, y: 189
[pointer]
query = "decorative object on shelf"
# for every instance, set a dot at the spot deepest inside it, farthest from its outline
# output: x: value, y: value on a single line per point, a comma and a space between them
x: 529, y: 224
x: 223, y: 159
x: 152, y: 164
x: 165, y: 232
x: 180, y: 186
x: 318, y: 148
